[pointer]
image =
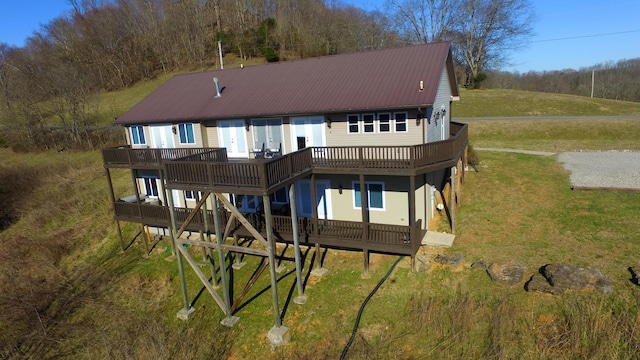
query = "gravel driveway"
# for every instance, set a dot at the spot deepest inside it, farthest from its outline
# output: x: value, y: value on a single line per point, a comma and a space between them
x: 603, y: 170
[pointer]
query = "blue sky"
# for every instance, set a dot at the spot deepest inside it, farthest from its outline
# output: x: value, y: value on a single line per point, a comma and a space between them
x: 568, y: 33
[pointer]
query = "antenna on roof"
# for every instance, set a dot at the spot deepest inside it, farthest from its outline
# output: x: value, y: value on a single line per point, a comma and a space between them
x: 215, y: 80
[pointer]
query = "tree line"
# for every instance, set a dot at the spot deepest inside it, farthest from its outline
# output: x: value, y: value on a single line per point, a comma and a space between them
x: 105, y: 45
x: 612, y: 80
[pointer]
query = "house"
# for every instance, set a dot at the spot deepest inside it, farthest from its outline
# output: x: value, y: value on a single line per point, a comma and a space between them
x: 349, y: 151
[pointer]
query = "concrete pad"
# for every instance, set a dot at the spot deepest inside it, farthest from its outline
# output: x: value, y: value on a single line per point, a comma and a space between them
x: 229, y: 321
x: 438, y: 239
x: 238, y: 265
x: 300, y: 300
x: 278, y: 336
x: 280, y: 269
x: 186, y: 314
x: 319, y: 272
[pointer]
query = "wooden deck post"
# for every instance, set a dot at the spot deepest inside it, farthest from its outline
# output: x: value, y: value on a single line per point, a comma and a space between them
x: 301, y: 298
x: 364, y: 206
x: 209, y: 251
x: 278, y: 333
x: 452, y: 200
x: 413, y: 235
x: 113, y: 200
x: 142, y: 231
x: 187, y: 310
x: 221, y: 261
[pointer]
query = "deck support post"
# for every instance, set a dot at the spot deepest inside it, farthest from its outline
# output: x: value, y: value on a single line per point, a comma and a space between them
x: 452, y: 200
x: 413, y: 234
x: 364, y: 206
x: 301, y: 298
x: 186, y: 312
x: 209, y: 251
x: 113, y: 200
x: 229, y: 319
x: 277, y: 335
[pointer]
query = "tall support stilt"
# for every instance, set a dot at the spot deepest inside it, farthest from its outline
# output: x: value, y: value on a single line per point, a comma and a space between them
x: 364, y: 206
x: 113, y: 200
x: 301, y: 298
x: 452, y: 201
x: 207, y: 231
x: 187, y: 310
x: 229, y: 320
x: 278, y: 333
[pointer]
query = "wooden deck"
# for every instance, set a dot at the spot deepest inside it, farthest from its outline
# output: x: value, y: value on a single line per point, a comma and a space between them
x: 210, y: 169
x: 395, y: 239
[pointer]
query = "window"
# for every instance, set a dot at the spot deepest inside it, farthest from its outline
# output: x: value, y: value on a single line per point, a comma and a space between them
x: 190, y: 195
x: 375, y: 195
x: 186, y: 134
x: 150, y: 186
x: 384, y: 121
x: 401, y: 122
x: 137, y: 135
x: 367, y: 119
x: 280, y: 196
x: 354, y: 124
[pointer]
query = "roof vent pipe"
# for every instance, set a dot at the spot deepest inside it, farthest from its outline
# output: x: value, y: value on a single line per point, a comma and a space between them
x: 215, y: 80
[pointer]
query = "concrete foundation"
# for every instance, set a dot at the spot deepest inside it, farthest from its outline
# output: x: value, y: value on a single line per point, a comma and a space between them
x: 278, y: 336
x: 230, y: 321
x: 186, y: 314
x: 280, y: 269
x: 238, y: 265
x: 300, y: 300
x: 319, y: 272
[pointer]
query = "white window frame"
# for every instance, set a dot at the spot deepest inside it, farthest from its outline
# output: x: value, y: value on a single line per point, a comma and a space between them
x: 367, y: 184
x: 396, y: 122
x: 150, y: 183
x: 368, y: 123
x: 185, y: 127
x: 191, y: 195
x: 139, y: 130
x: 357, y: 123
x: 387, y: 121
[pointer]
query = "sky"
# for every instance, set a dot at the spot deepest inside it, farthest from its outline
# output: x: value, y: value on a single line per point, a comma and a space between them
x: 568, y: 34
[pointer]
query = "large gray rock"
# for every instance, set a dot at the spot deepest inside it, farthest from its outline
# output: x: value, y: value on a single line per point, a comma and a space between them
x: 538, y: 283
x: 509, y: 273
x: 451, y: 260
x: 574, y: 277
x: 556, y: 279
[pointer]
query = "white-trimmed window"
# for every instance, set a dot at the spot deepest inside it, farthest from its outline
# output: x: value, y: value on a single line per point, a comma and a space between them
x: 368, y: 123
x: 384, y: 123
x: 150, y: 186
x: 137, y: 135
x: 401, y: 122
x: 186, y: 133
x: 375, y: 195
x: 353, y: 122
x: 190, y: 195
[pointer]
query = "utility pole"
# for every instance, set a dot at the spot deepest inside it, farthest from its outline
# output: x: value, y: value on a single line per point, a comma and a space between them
x: 593, y: 77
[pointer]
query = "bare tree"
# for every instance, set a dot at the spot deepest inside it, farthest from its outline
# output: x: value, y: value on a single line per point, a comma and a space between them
x: 486, y: 30
x: 424, y: 21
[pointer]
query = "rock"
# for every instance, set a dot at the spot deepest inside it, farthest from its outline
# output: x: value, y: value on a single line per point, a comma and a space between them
x: 538, y: 283
x: 479, y: 265
x: 453, y: 260
x: 571, y: 277
x: 509, y: 273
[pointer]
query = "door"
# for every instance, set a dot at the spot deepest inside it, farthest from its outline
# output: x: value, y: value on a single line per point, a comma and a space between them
x: 232, y: 135
x: 307, y: 131
x: 161, y: 136
x: 305, y: 203
x: 268, y: 132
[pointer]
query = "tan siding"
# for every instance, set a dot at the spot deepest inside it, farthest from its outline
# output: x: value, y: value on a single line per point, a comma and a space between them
x: 337, y: 135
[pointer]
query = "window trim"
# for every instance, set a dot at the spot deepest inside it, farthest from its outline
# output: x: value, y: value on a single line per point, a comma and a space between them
x: 387, y: 121
x: 367, y: 184
x: 366, y: 123
x: 405, y: 122
x: 150, y: 182
x: 183, y: 129
x: 191, y: 197
x: 357, y: 123
x: 135, y: 136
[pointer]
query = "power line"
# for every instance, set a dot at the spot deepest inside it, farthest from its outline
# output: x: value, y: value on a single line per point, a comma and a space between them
x: 586, y: 36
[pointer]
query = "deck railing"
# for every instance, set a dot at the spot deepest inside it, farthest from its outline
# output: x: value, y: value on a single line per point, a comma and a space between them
x: 393, y: 157
x: 398, y: 239
x: 126, y: 156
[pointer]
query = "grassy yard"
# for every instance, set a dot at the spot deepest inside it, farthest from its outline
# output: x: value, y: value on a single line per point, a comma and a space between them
x: 70, y: 292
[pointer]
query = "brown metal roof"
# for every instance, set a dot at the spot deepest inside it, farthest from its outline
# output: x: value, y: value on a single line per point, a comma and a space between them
x: 372, y: 80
